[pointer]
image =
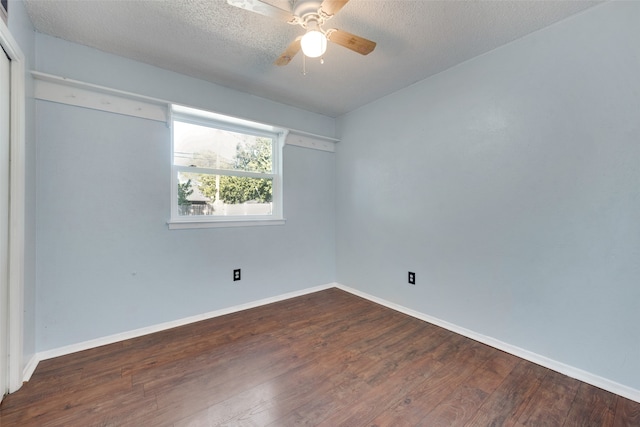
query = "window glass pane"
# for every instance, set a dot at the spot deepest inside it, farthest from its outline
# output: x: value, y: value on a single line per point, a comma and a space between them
x: 206, y: 147
x: 220, y: 195
x: 235, y: 189
x: 191, y: 198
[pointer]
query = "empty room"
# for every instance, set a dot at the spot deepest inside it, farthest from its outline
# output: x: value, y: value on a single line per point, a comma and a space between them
x: 323, y: 213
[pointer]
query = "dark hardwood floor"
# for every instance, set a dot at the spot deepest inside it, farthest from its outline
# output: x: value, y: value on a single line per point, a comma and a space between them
x: 327, y: 359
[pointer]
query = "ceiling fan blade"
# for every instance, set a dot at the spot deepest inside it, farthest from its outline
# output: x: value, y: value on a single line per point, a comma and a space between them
x: 351, y: 41
x: 331, y: 7
x: 262, y: 8
x: 289, y: 53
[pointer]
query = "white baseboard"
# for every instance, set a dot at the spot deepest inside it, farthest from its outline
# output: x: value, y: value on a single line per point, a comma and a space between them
x: 579, y: 374
x: 570, y: 371
x: 30, y: 368
x: 85, y: 345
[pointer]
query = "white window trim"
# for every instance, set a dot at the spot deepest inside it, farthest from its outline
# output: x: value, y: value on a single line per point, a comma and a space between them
x: 249, y: 222
x: 204, y: 118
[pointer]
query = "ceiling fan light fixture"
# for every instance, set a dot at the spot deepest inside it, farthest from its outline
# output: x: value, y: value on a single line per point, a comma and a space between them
x: 314, y: 43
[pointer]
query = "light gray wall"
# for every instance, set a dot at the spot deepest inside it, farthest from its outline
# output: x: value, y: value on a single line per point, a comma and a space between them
x: 510, y: 184
x: 106, y: 261
x: 23, y: 32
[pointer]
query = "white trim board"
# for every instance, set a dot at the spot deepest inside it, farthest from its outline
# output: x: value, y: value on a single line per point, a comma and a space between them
x: 308, y: 140
x: 562, y: 368
x: 570, y: 371
x: 30, y: 367
x: 71, y: 92
x: 86, y: 345
x: 16, y: 207
x: 87, y: 95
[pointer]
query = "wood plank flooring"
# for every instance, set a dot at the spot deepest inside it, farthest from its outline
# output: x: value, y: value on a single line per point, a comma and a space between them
x: 324, y: 359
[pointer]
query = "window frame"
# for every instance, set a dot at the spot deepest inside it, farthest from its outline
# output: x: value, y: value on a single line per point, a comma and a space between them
x: 218, y: 121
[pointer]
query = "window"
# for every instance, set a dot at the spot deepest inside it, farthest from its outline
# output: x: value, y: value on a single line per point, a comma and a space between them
x: 225, y: 171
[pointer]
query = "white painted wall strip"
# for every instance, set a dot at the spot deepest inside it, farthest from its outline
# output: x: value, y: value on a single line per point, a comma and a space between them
x: 314, y: 142
x: 74, y: 93
x: 80, y: 94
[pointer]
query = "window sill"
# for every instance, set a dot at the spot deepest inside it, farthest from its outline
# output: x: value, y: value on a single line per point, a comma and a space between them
x: 223, y: 223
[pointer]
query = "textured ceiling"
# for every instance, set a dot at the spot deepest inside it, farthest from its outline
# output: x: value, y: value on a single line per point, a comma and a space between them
x: 214, y: 41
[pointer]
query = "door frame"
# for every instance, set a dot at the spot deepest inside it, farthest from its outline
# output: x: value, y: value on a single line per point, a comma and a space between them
x: 16, y: 208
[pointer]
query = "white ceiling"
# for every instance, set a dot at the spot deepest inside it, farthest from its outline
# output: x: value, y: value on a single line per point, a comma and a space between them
x: 214, y: 41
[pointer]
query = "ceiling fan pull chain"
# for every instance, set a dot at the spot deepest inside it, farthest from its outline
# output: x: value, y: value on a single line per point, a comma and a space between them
x: 304, y: 65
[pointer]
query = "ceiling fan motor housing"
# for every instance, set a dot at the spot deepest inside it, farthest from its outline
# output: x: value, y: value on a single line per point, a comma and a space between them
x: 311, y: 15
x: 309, y: 11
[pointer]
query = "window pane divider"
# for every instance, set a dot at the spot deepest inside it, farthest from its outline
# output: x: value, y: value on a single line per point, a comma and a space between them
x: 227, y: 172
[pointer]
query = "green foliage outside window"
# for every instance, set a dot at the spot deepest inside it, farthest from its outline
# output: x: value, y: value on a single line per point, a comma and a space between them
x: 184, y: 191
x: 234, y: 189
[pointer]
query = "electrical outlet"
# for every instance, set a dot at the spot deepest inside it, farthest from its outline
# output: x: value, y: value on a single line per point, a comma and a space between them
x: 236, y: 275
x: 412, y: 278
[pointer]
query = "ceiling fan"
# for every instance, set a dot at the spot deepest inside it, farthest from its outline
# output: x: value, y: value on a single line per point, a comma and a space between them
x: 310, y: 15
